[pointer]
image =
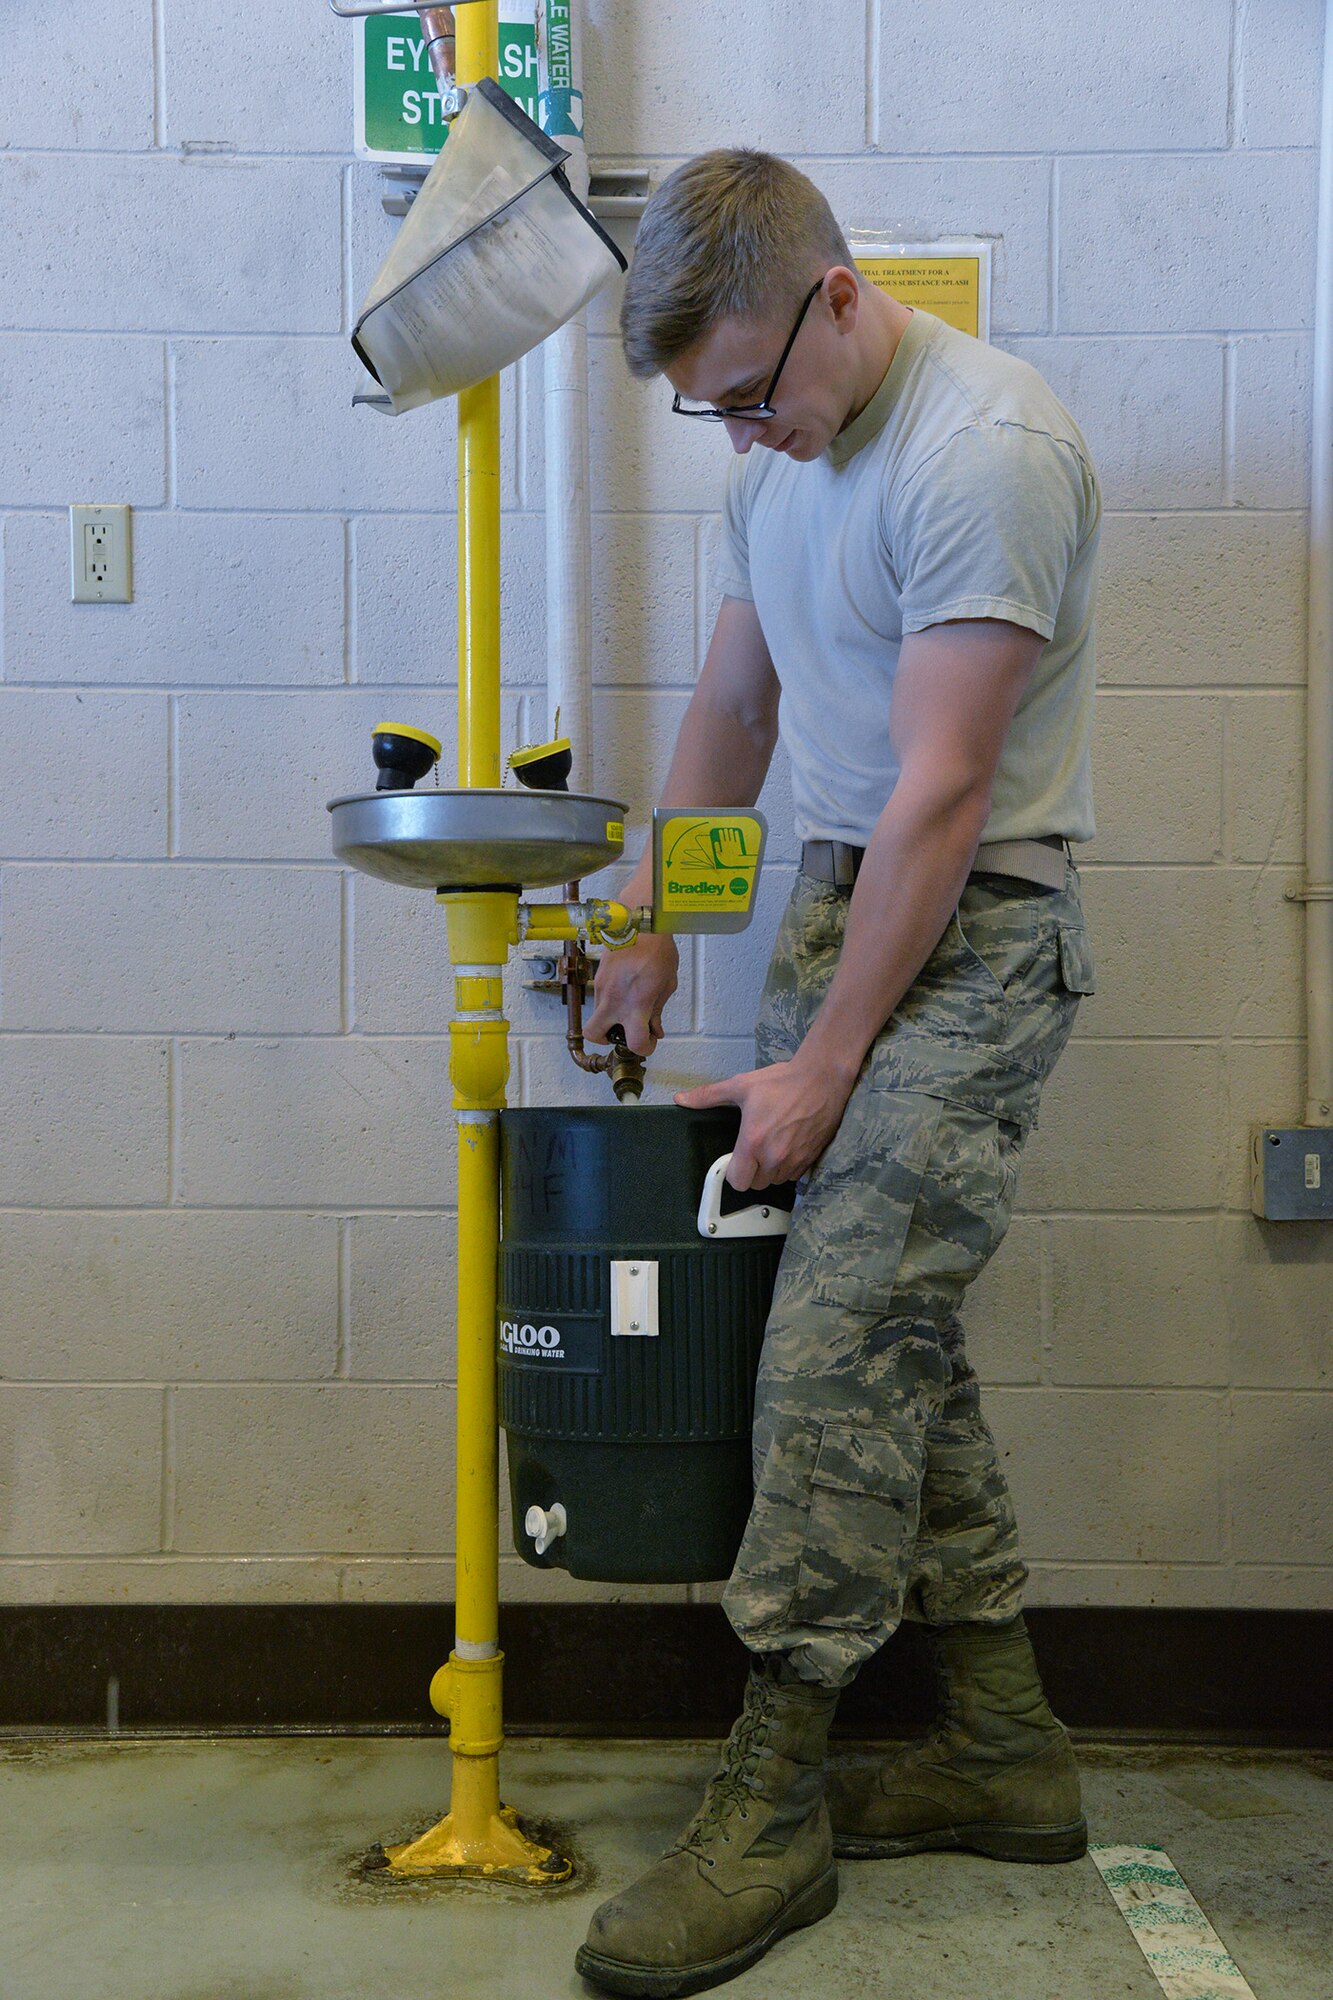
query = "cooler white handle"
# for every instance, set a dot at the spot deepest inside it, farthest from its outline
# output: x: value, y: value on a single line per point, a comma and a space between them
x: 761, y: 1219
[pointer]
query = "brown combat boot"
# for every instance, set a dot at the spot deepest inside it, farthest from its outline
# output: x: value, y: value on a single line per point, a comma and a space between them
x: 755, y: 1862
x: 997, y: 1776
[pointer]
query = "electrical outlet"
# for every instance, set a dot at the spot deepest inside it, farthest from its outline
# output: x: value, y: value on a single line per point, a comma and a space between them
x: 99, y: 555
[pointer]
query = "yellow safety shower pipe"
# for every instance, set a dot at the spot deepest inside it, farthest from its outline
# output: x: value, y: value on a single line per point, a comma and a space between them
x: 479, y: 1835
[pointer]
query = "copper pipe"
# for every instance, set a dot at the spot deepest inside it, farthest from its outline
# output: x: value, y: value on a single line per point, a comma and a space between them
x: 572, y: 968
x: 437, y: 25
x: 620, y: 1063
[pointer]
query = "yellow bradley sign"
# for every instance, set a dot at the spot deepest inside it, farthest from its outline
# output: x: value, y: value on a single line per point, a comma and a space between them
x: 705, y: 866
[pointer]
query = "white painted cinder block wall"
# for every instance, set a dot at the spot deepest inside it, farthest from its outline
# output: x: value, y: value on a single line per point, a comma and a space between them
x: 225, y: 1278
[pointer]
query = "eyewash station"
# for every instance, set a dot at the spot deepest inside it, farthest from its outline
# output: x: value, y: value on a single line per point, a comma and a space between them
x: 612, y: 1288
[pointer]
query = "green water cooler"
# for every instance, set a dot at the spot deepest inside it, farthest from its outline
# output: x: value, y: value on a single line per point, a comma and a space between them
x: 634, y: 1285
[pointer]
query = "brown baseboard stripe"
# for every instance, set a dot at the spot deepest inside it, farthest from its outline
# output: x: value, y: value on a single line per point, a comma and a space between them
x: 627, y: 1669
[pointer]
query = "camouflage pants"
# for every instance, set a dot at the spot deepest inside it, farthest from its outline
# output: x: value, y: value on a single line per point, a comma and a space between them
x: 878, y: 1489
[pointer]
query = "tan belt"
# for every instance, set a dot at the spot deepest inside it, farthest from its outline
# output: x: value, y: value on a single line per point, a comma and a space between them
x: 1042, y: 860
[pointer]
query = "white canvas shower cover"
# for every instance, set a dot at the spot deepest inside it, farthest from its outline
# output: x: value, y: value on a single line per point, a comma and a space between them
x: 494, y: 254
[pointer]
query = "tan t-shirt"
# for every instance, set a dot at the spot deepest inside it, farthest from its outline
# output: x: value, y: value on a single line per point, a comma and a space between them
x: 962, y: 490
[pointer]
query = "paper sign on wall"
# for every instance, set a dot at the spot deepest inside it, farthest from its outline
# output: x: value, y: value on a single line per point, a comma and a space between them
x: 951, y: 279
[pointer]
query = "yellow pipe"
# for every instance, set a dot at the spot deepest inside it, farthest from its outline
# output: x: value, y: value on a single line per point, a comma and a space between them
x: 478, y: 55
x: 483, y: 924
x: 479, y: 580
x: 480, y: 928
x: 556, y: 923
x: 550, y: 923
x: 479, y: 1061
x: 479, y: 1836
x: 477, y: 1616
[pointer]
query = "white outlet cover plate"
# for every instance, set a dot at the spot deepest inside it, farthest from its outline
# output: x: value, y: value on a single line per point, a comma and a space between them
x: 99, y: 555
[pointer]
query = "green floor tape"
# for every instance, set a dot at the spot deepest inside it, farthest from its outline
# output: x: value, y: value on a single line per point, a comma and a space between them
x: 1187, y: 1956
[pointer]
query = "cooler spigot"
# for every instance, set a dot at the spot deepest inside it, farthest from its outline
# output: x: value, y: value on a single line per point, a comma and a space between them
x: 402, y: 755
x: 545, y: 1525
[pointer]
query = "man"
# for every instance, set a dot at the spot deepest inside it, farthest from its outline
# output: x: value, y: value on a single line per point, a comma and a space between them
x: 908, y: 559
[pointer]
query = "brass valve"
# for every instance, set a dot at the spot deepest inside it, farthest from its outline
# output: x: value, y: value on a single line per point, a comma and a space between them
x: 624, y: 1068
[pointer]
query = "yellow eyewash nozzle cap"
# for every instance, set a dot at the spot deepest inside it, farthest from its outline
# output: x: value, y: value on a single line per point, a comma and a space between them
x: 544, y: 767
x: 532, y: 751
x: 432, y: 743
x: 402, y: 755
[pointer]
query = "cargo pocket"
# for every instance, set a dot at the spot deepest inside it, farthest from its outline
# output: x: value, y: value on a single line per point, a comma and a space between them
x: 956, y: 995
x: 1076, y: 967
x: 864, y: 1507
x: 859, y: 1203
x: 963, y: 1212
x: 965, y: 990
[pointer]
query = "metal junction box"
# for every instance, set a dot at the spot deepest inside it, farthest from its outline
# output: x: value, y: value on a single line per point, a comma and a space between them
x: 1292, y: 1172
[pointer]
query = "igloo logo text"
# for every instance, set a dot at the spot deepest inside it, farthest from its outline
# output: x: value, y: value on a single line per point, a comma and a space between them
x: 539, y: 1343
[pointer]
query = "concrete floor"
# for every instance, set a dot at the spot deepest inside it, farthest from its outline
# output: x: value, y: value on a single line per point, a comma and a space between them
x: 224, y: 1869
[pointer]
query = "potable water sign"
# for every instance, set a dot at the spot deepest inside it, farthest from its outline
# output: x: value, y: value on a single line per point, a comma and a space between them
x: 398, y: 114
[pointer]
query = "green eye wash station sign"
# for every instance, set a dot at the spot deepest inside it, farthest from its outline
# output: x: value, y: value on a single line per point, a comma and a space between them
x: 398, y: 115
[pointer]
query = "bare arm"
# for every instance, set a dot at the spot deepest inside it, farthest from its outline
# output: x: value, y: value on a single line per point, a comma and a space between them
x: 721, y: 758
x: 728, y: 730
x: 954, y: 697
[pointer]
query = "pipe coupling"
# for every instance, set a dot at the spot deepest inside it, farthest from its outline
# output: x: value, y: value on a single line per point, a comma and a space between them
x: 479, y: 1064
x: 467, y: 1694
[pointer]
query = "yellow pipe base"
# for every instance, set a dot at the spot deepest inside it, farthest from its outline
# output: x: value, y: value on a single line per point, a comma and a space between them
x: 498, y: 1851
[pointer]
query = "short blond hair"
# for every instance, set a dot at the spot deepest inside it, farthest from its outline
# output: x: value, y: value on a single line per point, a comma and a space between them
x: 732, y: 234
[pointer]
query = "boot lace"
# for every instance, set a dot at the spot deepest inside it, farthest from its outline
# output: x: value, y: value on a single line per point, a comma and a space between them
x: 737, y: 1780
x: 943, y: 1736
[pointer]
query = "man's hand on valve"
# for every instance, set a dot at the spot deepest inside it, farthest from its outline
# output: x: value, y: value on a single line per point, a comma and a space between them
x: 789, y: 1112
x: 631, y: 989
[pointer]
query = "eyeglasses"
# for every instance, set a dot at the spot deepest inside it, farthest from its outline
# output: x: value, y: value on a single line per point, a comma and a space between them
x: 751, y: 413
